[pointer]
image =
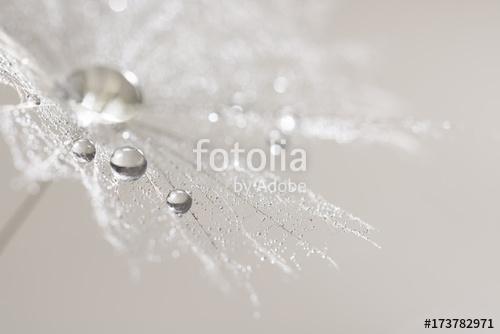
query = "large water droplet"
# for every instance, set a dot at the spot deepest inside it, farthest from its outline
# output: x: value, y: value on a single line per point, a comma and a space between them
x: 103, y: 95
x: 128, y: 163
x: 83, y: 150
x: 179, y: 201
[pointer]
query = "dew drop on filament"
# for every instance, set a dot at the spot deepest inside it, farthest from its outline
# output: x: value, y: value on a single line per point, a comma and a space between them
x: 179, y: 201
x: 83, y: 150
x: 128, y: 163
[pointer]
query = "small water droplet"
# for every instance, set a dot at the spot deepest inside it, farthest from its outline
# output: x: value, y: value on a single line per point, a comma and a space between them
x: 126, y: 135
x: 128, y: 163
x: 213, y: 117
x: 179, y: 201
x: 83, y: 150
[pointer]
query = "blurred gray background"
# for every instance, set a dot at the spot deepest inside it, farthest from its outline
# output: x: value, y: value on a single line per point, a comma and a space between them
x: 436, y: 211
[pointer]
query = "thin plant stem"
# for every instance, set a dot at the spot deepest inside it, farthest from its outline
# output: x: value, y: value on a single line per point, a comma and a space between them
x: 14, y: 223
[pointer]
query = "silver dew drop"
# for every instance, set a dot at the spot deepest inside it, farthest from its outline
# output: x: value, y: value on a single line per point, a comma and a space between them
x: 128, y: 163
x: 103, y: 95
x: 179, y: 201
x: 83, y: 150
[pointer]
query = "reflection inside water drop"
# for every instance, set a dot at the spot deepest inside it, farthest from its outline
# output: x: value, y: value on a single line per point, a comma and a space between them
x: 103, y: 95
